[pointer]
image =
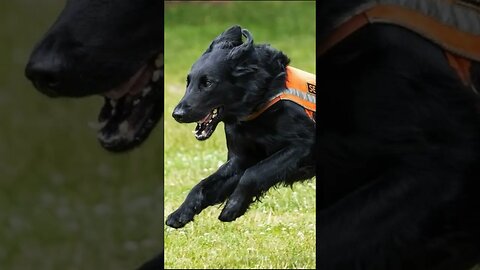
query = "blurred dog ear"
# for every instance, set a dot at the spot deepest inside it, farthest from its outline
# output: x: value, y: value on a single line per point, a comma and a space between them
x: 230, y: 38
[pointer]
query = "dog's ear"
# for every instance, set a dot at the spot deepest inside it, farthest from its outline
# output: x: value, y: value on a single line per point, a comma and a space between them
x: 243, y: 53
x: 232, y: 34
x: 230, y: 38
x: 241, y: 50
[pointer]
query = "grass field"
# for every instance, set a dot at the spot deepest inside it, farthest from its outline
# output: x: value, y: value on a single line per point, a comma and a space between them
x: 280, y: 231
x: 65, y: 203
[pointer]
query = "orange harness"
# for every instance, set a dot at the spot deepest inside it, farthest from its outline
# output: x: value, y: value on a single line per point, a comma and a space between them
x: 460, y: 47
x: 300, y: 89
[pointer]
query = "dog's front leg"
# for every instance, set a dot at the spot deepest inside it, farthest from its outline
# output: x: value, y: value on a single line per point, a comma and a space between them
x: 212, y: 190
x: 286, y: 165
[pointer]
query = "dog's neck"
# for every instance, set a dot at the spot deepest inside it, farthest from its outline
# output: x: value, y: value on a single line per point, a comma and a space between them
x: 265, y: 82
x: 298, y: 87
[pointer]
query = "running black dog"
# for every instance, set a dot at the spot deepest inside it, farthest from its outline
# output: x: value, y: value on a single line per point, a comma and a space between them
x: 399, y: 136
x: 116, y: 51
x: 268, y: 142
x: 113, y: 49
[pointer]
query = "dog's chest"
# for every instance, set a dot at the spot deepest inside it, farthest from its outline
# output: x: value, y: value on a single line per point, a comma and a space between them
x: 252, y: 140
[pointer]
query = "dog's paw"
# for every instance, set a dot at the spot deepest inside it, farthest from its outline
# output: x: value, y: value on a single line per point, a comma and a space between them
x: 234, y: 208
x: 179, y: 218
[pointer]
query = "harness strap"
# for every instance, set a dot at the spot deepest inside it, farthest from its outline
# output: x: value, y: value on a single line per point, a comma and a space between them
x: 291, y: 95
x: 460, y: 47
x: 300, y: 89
x: 462, y: 66
x: 343, y: 31
x: 448, y: 37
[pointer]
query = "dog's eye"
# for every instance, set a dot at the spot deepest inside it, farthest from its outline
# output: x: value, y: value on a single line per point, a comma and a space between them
x: 205, y: 82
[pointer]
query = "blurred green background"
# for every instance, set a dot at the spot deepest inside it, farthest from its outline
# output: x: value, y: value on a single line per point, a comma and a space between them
x: 65, y: 203
x: 277, y: 233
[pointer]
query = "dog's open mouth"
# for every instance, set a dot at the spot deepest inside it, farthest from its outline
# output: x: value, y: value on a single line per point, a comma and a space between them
x: 207, y: 125
x: 132, y: 110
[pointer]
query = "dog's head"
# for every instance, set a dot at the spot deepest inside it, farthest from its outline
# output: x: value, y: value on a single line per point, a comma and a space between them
x: 110, y: 48
x: 226, y: 83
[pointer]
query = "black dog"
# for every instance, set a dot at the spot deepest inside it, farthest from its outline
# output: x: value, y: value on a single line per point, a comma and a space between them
x: 115, y: 51
x: 399, y: 148
x: 230, y: 82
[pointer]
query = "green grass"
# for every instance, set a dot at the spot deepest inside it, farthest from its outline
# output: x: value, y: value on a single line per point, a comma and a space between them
x: 65, y: 203
x: 279, y: 232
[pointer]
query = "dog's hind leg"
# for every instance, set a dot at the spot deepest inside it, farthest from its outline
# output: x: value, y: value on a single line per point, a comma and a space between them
x: 281, y: 167
x: 210, y: 191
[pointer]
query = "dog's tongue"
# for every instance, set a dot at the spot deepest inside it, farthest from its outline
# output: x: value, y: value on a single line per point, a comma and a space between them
x: 133, y: 86
x: 205, y: 118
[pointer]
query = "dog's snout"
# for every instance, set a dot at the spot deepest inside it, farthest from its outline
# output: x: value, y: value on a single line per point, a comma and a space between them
x: 180, y: 112
x: 45, y: 74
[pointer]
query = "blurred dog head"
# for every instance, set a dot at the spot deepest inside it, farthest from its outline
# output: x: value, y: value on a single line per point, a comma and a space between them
x: 110, y: 48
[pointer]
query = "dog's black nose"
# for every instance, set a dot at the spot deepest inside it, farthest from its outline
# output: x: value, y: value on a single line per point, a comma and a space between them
x: 45, y: 74
x: 179, y: 113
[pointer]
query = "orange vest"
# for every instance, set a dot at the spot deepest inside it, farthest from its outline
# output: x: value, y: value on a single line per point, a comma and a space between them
x: 460, y: 41
x: 300, y: 88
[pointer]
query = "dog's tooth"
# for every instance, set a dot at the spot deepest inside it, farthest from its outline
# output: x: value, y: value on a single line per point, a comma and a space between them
x: 214, y: 111
x: 106, y: 139
x: 113, y: 103
x: 123, y: 127
x: 97, y: 125
x: 146, y: 90
x: 136, y: 101
x: 156, y: 75
x: 159, y: 61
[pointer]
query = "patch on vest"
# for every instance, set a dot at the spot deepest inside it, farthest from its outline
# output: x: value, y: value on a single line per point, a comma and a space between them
x: 471, y: 3
x: 311, y: 88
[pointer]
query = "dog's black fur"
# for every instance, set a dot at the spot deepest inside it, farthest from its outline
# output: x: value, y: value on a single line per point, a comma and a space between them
x: 95, y: 46
x: 277, y: 147
x: 398, y: 154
